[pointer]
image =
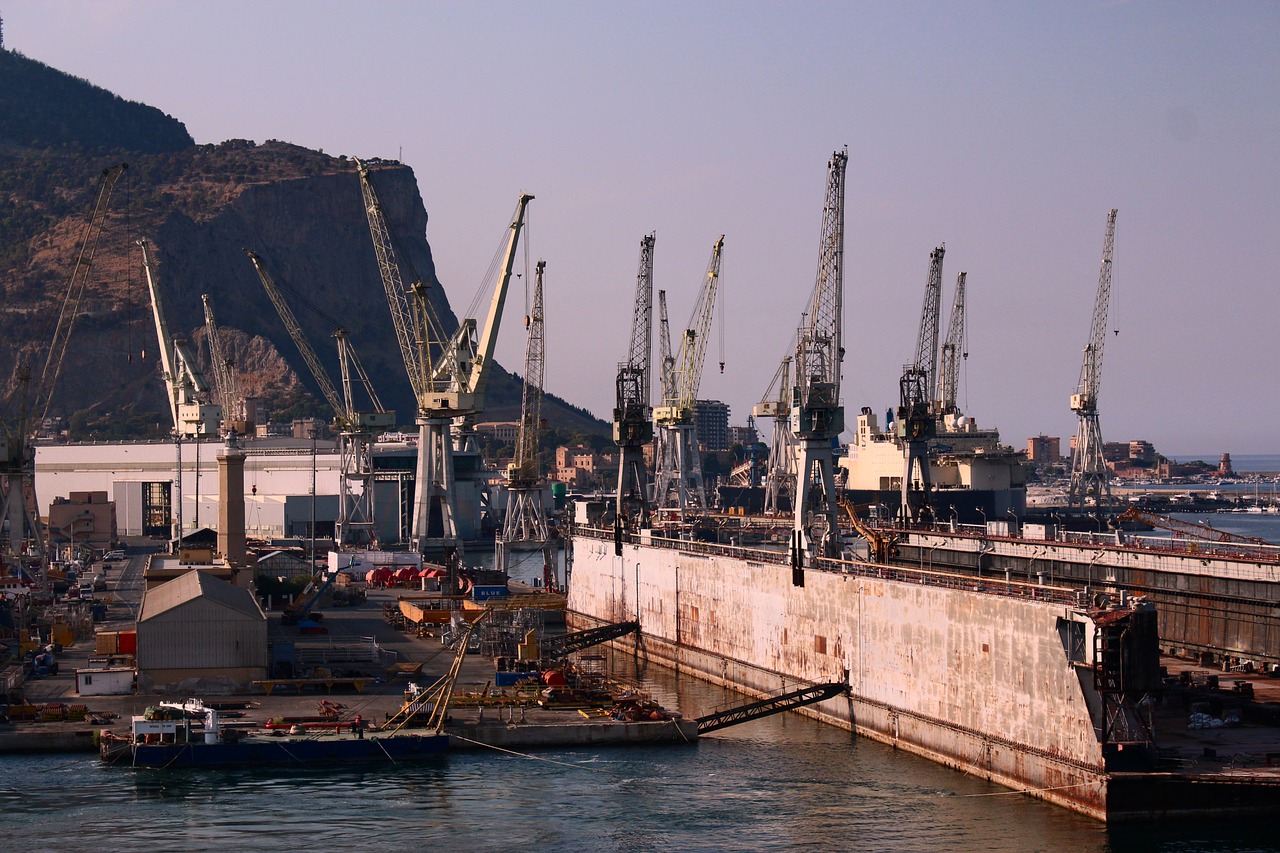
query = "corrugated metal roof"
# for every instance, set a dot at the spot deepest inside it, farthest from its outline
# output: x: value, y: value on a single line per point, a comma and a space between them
x: 196, y: 584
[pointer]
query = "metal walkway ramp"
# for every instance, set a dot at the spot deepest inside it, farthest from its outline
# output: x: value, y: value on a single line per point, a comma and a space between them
x: 773, y: 705
x: 558, y: 647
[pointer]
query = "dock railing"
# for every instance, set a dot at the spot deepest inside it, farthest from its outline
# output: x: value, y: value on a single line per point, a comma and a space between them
x: 878, y: 571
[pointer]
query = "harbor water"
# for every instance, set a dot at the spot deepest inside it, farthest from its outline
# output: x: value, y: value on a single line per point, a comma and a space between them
x: 781, y: 783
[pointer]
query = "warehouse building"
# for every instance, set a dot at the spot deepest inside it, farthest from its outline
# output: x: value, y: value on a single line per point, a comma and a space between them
x: 200, y: 634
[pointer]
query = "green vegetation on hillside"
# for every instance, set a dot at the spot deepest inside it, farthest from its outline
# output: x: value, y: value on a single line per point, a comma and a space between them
x: 41, y: 108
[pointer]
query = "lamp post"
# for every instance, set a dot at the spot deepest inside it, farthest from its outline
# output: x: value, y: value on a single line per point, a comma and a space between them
x: 1013, y: 531
x: 983, y: 513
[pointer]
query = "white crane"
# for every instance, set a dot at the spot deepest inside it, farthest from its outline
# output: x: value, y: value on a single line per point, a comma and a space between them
x: 193, y: 415
x: 1090, y: 481
x: 817, y: 417
x: 633, y: 415
x: 356, y: 523
x: 679, y: 470
x: 448, y: 374
x: 525, y: 523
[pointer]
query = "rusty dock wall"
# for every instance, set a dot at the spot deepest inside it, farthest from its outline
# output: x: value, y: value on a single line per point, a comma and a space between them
x: 976, y: 679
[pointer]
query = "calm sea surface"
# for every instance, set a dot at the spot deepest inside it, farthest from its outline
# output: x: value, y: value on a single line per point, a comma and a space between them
x: 783, y: 783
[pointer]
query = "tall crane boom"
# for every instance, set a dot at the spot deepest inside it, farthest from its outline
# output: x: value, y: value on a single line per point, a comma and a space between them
x: 525, y: 467
x: 679, y: 481
x: 356, y: 523
x: 189, y: 405
x: 668, y: 361
x: 692, y: 354
x: 953, y: 350
x: 633, y: 414
x: 28, y: 405
x: 225, y: 382
x: 816, y: 414
x: 525, y: 525
x: 327, y: 388
x: 917, y: 422
x: 69, y: 310
x: 1090, y: 481
x: 448, y: 374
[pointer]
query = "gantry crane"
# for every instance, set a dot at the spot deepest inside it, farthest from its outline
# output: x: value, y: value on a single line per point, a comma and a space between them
x: 817, y: 418
x: 226, y: 383
x: 448, y: 373
x: 525, y: 523
x: 1090, y: 481
x: 917, y: 422
x: 633, y: 414
x: 189, y: 407
x: 953, y: 351
x: 27, y: 405
x: 679, y: 469
x: 356, y: 523
x: 780, y: 476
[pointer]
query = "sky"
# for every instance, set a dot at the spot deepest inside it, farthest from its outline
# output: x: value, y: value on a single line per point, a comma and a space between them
x: 1006, y: 131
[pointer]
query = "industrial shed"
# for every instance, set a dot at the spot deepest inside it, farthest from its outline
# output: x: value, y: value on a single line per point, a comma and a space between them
x: 197, y: 633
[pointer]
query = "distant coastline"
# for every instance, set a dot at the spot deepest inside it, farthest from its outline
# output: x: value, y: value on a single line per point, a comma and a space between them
x: 1245, y: 463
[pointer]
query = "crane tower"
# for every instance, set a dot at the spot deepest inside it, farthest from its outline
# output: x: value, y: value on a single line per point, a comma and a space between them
x: 817, y: 418
x: 679, y: 471
x: 917, y: 423
x: 448, y: 373
x: 953, y: 351
x: 356, y: 523
x: 525, y: 524
x: 633, y: 415
x: 1090, y: 481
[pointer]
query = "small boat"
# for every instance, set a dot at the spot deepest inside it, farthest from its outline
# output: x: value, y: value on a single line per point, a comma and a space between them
x: 168, y: 739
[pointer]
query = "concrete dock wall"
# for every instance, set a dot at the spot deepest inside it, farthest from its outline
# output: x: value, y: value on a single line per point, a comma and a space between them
x: 977, y: 682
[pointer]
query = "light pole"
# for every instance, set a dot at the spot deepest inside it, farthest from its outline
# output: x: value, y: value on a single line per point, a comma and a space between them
x: 983, y: 513
x: 1013, y: 531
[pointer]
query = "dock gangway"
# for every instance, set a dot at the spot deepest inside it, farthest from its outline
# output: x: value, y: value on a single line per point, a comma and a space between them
x: 558, y: 647
x: 772, y: 705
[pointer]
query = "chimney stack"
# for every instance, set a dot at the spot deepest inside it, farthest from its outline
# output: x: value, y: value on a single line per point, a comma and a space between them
x: 231, y: 503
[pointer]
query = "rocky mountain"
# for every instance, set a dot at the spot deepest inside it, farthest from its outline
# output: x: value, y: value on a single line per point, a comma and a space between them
x: 199, y: 207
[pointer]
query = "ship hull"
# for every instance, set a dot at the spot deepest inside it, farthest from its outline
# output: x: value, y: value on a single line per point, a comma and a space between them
x: 264, y: 750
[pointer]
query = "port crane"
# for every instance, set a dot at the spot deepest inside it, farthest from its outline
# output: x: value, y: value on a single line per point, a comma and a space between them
x: 27, y: 403
x: 679, y: 470
x: 356, y: 523
x: 189, y: 407
x: 780, y: 476
x: 525, y: 523
x: 226, y: 383
x: 817, y: 418
x: 917, y: 422
x: 633, y: 414
x: 953, y: 351
x: 448, y: 373
x: 1090, y: 481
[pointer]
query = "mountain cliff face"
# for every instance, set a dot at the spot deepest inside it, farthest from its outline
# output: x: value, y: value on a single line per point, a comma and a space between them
x: 200, y: 208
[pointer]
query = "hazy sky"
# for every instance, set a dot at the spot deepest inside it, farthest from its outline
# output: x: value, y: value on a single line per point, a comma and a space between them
x: 1005, y: 130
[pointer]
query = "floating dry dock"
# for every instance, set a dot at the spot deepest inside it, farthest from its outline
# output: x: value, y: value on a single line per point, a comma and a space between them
x: 1026, y: 685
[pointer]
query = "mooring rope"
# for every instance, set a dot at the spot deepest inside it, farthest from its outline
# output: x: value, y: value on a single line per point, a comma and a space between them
x: 527, y: 755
